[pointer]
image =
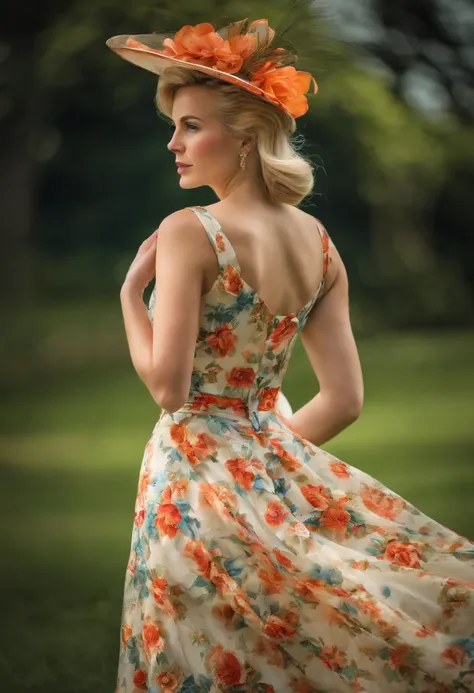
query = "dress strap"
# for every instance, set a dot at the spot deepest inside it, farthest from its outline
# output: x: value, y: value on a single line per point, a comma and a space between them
x: 219, y: 241
x: 326, y: 242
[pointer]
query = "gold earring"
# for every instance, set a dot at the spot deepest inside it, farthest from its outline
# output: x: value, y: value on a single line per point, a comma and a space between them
x: 243, y: 157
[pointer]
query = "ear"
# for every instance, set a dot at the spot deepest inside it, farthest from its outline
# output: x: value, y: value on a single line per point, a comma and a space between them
x: 247, y: 143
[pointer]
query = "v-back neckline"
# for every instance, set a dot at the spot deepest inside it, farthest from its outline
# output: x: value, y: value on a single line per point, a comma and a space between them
x: 254, y: 292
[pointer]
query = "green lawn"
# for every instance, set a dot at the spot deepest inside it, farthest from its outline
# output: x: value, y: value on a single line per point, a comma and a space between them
x: 71, y: 449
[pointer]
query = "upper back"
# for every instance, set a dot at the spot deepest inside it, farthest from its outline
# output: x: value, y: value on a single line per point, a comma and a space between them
x: 279, y: 250
x: 245, y: 339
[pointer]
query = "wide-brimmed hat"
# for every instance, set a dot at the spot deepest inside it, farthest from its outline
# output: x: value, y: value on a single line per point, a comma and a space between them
x: 242, y: 54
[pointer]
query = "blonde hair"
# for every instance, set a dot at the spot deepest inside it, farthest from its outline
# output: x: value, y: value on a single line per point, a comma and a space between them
x: 288, y: 176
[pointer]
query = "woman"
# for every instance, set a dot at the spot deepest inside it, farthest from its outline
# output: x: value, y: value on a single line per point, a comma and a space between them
x: 260, y: 562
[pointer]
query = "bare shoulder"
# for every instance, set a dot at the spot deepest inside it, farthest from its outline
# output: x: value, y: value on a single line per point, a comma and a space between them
x: 305, y: 217
x: 183, y: 231
x: 182, y: 220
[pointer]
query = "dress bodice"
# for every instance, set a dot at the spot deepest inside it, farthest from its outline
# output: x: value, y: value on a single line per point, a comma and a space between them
x: 243, y: 348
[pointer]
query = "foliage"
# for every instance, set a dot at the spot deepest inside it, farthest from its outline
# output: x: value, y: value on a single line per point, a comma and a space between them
x: 392, y: 184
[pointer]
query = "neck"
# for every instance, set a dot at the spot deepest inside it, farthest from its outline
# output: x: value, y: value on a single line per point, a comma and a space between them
x: 246, y: 187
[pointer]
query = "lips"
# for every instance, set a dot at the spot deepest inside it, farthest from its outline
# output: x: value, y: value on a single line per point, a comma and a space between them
x: 182, y: 168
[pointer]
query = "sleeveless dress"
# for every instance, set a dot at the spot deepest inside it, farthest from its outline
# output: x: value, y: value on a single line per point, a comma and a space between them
x: 261, y: 563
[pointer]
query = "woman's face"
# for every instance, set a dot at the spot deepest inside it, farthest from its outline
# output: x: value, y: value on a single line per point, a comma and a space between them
x: 200, y: 141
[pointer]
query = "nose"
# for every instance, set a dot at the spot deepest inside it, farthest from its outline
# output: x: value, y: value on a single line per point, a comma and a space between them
x: 174, y: 144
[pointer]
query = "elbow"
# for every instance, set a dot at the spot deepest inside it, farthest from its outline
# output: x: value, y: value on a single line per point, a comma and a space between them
x: 353, y: 406
x: 346, y: 406
x: 168, y: 399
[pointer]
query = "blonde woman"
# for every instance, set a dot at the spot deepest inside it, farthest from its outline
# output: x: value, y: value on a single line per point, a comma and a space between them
x: 259, y: 562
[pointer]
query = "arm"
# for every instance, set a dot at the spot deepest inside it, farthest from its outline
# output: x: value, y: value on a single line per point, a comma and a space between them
x: 329, y: 342
x: 163, y: 354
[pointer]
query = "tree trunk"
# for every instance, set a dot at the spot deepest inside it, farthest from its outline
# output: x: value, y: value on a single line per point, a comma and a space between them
x: 19, y: 127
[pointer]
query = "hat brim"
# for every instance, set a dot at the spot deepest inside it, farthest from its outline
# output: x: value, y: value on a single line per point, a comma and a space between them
x: 150, y: 60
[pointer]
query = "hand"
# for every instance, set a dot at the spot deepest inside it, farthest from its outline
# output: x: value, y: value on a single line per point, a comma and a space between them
x: 142, y: 270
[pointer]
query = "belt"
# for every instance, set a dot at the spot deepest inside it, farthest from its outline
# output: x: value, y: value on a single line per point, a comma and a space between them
x: 253, y: 408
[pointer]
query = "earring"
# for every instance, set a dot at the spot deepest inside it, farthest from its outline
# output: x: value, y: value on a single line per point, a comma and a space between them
x: 243, y: 157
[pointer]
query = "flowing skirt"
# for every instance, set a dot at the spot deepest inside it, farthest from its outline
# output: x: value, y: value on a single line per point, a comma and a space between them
x: 261, y: 563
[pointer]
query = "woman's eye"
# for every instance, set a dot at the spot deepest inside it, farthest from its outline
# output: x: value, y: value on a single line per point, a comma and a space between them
x: 189, y: 126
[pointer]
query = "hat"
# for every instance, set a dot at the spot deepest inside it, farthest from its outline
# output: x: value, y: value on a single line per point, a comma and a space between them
x: 242, y: 54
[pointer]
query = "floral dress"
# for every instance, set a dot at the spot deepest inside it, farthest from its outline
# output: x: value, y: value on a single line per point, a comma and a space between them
x: 261, y: 563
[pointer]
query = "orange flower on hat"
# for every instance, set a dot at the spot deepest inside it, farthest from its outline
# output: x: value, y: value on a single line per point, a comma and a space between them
x: 226, y: 50
x: 202, y: 44
x: 286, y: 86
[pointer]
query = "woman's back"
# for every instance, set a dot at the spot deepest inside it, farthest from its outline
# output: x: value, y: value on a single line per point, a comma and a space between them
x: 279, y: 251
x: 243, y: 346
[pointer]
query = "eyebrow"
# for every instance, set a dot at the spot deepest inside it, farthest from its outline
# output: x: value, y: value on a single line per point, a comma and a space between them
x: 186, y: 117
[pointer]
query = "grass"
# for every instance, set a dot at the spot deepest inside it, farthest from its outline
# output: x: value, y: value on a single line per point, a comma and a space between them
x: 71, y: 448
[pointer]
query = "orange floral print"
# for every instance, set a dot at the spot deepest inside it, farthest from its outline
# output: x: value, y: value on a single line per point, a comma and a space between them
x: 219, y: 497
x: 309, y: 589
x: 143, y: 481
x: 339, y: 469
x: 276, y: 513
x: 204, y: 445
x: 233, y: 282
x: 403, y: 553
x: 286, y: 328
x: 284, y: 561
x: 167, y: 495
x: 268, y: 398
x: 424, y: 632
x: 220, y: 242
x: 223, y: 340
x: 400, y: 655
x: 152, y: 640
x: 204, y: 403
x: 381, y: 503
x: 167, y: 682
x: 126, y: 634
x: 139, y: 517
x: 140, y: 680
x: 229, y: 669
x: 168, y: 519
x: 180, y: 486
x: 226, y: 614
x: 241, y: 377
x: 272, y: 580
x: 195, y: 448
x: 333, y: 657
x: 161, y: 596
x: 239, y: 468
x: 288, y: 461
x: 200, y: 555
x: 278, y: 629
x: 454, y: 655
x: 319, y: 496
x: 221, y: 579
x: 335, y: 518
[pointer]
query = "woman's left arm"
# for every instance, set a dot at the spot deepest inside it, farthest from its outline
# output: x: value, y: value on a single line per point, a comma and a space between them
x: 163, y: 353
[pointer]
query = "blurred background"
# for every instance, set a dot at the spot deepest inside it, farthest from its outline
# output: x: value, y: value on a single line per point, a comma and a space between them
x: 85, y: 176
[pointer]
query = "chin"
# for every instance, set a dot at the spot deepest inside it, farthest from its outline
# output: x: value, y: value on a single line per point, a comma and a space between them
x: 184, y: 183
